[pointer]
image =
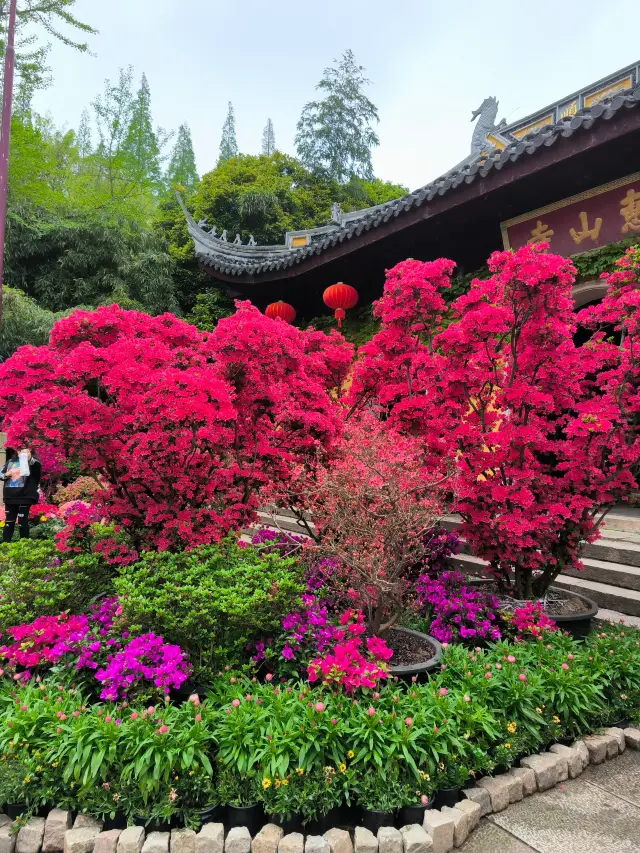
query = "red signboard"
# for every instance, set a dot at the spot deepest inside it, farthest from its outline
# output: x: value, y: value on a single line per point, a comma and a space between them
x: 600, y: 216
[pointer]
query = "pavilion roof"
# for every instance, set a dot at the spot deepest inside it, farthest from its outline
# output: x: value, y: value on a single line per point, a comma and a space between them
x: 578, y: 113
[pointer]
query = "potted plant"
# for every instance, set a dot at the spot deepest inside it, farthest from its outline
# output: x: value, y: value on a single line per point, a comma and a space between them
x: 374, y: 503
x: 449, y: 780
x: 239, y: 791
x: 544, y: 433
x: 379, y: 795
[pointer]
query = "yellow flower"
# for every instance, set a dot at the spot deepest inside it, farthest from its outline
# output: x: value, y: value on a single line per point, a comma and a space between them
x: 508, y: 745
x: 285, y: 782
x: 538, y: 710
x: 556, y: 719
x: 512, y: 727
x: 266, y: 783
x: 43, y: 518
x: 299, y: 771
x: 277, y: 783
x: 350, y: 754
x: 342, y: 767
x: 27, y: 780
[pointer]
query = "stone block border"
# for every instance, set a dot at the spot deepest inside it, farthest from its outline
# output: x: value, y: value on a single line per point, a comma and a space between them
x: 442, y: 830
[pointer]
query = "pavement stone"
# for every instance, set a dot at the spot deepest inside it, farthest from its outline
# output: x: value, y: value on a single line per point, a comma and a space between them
x: 84, y: 821
x: 339, y: 841
x: 562, y: 765
x: 30, y: 836
x: 618, y: 734
x: 57, y: 823
x: 572, y: 756
x: 632, y: 738
x: 415, y: 839
x: 107, y: 842
x: 461, y: 826
x: 182, y: 841
x: 131, y: 840
x: 481, y: 797
x: 210, y: 839
x: 597, y: 747
x: 546, y: 769
x: 294, y: 843
x: 440, y: 827
x: 581, y: 747
x: 613, y: 745
x: 472, y: 811
x: 7, y: 838
x: 575, y: 817
x: 498, y: 789
x: 316, y: 844
x: 389, y: 840
x: 620, y: 777
x: 156, y: 842
x: 528, y: 779
x: 364, y: 841
x: 80, y: 840
x: 238, y: 840
x: 267, y: 840
x: 489, y: 838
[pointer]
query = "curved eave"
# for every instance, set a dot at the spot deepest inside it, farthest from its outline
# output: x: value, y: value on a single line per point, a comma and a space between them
x: 615, y: 117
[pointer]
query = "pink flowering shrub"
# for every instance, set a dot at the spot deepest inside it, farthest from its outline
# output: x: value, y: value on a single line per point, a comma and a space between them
x: 142, y: 662
x: 183, y: 428
x: 348, y: 666
x: 81, y: 489
x: 529, y: 621
x: 457, y: 611
x: 45, y: 641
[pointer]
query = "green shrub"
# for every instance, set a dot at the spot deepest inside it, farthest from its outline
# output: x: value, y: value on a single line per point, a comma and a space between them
x: 36, y: 580
x: 213, y: 601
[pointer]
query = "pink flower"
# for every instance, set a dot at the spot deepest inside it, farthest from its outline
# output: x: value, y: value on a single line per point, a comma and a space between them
x: 23, y: 707
x: 443, y: 691
x: 163, y: 729
x: 371, y: 711
x: 269, y: 676
x: 236, y: 703
x: 107, y: 719
x: 565, y: 666
x: 511, y: 659
x: 198, y: 718
x: 487, y: 675
x: 522, y: 676
x: 227, y: 710
x: 134, y: 715
x: 333, y: 721
x: 424, y: 799
x: 408, y: 721
x: 466, y: 698
x: 319, y: 707
x: 569, y: 656
x: 194, y: 699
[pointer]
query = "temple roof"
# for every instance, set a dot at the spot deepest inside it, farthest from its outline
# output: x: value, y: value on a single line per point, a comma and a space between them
x: 506, y: 145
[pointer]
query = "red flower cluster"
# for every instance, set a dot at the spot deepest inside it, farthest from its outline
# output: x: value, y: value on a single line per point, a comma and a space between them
x: 181, y: 427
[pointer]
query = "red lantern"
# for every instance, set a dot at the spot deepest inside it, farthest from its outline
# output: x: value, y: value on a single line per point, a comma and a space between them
x: 341, y: 297
x: 281, y: 309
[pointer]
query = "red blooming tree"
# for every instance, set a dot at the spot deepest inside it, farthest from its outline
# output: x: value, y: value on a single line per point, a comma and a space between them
x: 545, y: 441
x: 183, y: 428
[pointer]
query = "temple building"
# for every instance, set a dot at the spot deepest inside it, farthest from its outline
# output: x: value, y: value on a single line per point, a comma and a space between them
x: 568, y: 174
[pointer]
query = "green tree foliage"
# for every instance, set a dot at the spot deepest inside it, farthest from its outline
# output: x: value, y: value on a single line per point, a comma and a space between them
x: 209, y: 307
x: 142, y: 145
x: 181, y: 172
x: 268, y: 139
x: 263, y: 196
x: 335, y: 134
x: 228, y: 143
x: 23, y: 322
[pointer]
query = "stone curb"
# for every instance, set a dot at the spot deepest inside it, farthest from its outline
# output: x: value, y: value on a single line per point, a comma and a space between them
x: 441, y: 831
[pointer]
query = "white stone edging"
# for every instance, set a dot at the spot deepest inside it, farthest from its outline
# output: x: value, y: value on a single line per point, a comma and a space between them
x: 441, y: 831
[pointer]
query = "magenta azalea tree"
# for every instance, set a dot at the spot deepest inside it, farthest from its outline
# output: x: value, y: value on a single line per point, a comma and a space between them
x: 545, y: 434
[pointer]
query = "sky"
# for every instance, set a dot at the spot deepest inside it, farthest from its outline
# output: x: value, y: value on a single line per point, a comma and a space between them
x: 431, y: 63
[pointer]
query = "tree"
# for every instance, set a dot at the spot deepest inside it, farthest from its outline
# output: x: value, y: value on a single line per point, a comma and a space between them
x: 268, y: 139
x: 142, y: 145
x: 113, y: 112
x: 185, y: 427
x: 545, y: 433
x: 181, y: 172
x: 209, y: 307
x: 228, y: 143
x: 24, y: 322
x: 335, y: 134
x: 83, y: 137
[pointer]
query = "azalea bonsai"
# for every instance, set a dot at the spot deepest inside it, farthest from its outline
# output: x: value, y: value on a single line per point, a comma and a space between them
x: 545, y: 434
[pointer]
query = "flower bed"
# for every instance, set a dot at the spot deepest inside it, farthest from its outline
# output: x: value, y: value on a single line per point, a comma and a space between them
x: 299, y: 749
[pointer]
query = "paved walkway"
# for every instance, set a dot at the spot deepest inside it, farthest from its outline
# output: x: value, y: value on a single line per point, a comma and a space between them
x: 597, y: 813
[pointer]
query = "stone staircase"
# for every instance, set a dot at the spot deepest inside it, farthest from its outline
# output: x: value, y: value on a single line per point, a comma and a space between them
x: 611, y: 574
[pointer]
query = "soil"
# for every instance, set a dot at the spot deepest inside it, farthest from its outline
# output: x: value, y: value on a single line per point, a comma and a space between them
x: 408, y: 649
x: 558, y: 603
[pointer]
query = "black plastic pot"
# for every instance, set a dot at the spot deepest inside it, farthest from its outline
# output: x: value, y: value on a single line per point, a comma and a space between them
x: 155, y: 824
x: 14, y: 810
x: 372, y: 819
x: 447, y: 797
x: 289, y: 823
x: 421, y: 670
x: 413, y: 814
x: 323, y: 823
x: 118, y: 821
x: 250, y: 816
x: 620, y: 724
x: 211, y: 814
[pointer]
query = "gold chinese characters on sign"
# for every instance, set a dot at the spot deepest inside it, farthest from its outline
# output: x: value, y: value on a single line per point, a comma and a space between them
x: 602, y: 215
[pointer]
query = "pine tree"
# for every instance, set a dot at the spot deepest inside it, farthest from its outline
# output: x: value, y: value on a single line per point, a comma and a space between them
x: 335, y: 135
x: 83, y: 137
x: 181, y: 171
x: 228, y: 143
x: 268, y: 139
x: 141, y: 142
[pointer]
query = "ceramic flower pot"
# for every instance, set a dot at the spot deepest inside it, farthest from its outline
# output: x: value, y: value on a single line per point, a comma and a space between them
x: 447, y: 797
x: 413, y: 814
x: 372, y: 819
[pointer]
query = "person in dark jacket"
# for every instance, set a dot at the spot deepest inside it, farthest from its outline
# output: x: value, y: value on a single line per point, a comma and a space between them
x: 20, y: 491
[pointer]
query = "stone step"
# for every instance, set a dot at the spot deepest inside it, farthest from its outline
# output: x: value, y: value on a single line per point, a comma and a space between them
x: 615, y: 547
x: 625, y: 601
x: 603, y: 571
x: 613, y: 616
x: 625, y: 519
x: 280, y: 522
